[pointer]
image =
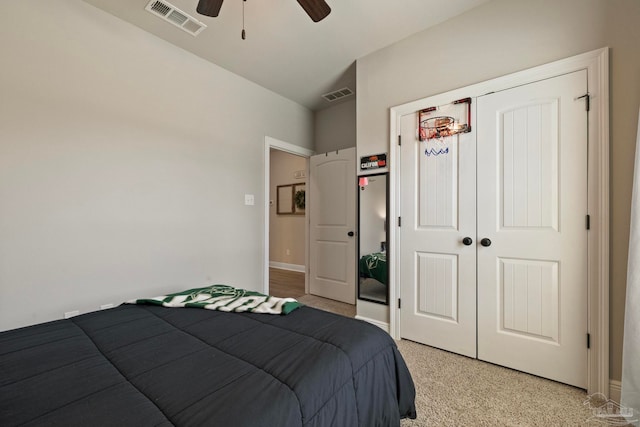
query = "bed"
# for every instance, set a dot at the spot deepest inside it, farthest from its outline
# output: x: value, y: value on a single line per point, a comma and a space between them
x: 145, y: 365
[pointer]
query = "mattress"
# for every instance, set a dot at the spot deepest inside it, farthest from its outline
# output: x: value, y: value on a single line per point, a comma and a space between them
x: 138, y: 365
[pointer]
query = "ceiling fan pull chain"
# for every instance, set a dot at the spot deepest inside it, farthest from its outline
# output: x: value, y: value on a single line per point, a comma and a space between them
x: 244, y: 33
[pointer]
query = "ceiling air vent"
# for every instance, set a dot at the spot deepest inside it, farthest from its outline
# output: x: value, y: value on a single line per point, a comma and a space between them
x: 338, y: 94
x: 172, y: 14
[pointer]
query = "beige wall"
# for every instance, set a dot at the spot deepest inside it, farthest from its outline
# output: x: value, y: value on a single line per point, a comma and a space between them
x: 124, y: 162
x: 335, y: 127
x: 504, y: 36
x: 286, y: 232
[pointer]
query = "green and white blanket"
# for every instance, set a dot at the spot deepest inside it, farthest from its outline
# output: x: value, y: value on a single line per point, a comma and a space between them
x: 224, y: 298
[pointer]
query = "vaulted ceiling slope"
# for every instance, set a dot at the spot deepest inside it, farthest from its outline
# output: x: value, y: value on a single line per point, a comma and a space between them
x: 284, y: 50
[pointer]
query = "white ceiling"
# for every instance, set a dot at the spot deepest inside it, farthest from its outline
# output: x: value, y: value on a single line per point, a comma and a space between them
x: 284, y: 50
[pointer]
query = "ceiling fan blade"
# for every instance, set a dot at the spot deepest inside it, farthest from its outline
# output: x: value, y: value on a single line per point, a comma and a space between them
x: 316, y: 9
x: 209, y: 7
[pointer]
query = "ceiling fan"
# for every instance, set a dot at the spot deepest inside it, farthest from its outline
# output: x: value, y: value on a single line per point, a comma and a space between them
x: 316, y: 9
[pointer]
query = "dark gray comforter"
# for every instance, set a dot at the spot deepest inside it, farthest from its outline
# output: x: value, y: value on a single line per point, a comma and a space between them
x: 147, y: 366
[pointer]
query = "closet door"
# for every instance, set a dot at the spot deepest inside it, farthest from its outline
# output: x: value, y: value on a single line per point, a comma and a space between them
x: 438, y: 266
x: 532, y: 207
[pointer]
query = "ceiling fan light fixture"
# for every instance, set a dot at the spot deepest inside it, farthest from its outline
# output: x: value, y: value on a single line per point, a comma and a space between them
x: 316, y: 9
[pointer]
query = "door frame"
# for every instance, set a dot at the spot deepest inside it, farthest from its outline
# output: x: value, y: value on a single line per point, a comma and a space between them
x: 597, y: 65
x: 287, y: 147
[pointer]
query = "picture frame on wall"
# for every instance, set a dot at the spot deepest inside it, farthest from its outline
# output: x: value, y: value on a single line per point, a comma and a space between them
x: 291, y: 199
x: 299, y: 198
x: 284, y: 199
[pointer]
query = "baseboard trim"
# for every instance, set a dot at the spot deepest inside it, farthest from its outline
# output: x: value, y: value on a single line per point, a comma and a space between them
x: 382, y: 325
x: 615, y: 390
x: 285, y: 266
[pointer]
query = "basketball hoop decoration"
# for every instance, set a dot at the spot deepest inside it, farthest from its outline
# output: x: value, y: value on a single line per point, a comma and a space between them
x: 437, y: 123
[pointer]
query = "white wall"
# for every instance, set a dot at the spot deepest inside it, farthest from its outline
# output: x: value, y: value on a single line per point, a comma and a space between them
x: 335, y: 127
x: 286, y: 232
x: 504, y: 36
x: 123, y: 164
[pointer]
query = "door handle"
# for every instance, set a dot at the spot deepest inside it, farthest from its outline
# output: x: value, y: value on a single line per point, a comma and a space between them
x: 350, y: 234
x: 467, y: 241
x: 485, y: 242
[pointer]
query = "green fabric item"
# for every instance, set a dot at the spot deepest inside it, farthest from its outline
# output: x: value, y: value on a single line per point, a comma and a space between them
x: 375, y: 266
x: 224, y: 298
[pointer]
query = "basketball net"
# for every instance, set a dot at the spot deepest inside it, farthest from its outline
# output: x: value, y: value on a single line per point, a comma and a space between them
x: 438, y: 124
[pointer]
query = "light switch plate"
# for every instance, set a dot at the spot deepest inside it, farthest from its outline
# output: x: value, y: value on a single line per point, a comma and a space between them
x: 249, y: 199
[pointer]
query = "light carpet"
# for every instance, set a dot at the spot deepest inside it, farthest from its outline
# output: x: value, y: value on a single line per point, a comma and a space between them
x: 453, y: 390
x: 325, y: 304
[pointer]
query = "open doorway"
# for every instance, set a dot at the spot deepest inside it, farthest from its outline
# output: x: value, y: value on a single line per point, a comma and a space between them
x: 286, y: 238
x: 287, y: 224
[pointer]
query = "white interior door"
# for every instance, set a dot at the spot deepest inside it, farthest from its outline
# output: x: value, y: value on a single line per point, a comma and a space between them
x: 332, y: 199
x: 438, y: 270
x: 532, y: 206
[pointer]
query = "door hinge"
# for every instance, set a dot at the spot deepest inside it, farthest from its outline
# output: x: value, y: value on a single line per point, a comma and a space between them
x: 399, y: 303
x: 399, y: 139
x: 588, y: 222
x: 587, y: 100
x: 588, y: 340
x: 399, y: 221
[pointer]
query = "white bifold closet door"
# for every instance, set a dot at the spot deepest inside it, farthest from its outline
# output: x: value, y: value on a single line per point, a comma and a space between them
x: 437, y: 271
x: 525, y: 274
x: 532, y: 280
